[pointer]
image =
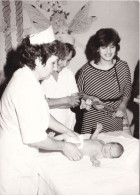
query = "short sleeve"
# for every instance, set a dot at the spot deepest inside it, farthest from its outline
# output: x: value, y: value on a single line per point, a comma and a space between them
x: 80, y: 80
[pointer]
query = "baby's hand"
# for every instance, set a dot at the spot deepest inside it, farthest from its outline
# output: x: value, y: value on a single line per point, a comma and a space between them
x: 99, y: 127
x: 96, y: 163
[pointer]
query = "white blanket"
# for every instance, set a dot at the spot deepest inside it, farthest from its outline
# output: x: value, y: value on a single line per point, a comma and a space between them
x: 60, y: 176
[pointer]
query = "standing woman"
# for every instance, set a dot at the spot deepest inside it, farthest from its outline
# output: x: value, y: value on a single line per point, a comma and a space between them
x: 24, y: 119
x: 104, y: 79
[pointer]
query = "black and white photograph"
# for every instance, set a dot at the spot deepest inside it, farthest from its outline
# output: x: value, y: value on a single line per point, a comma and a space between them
x: 69, y: 97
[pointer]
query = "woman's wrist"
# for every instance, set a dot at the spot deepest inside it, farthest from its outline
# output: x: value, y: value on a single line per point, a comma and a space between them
x: 62, y: 145
x: 123, y: 104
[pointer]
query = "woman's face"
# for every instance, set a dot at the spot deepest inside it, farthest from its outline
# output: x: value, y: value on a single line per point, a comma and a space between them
x: 49, y: 66
x: 64, y: 63
x: 107, y: 52
x: 44, y: 71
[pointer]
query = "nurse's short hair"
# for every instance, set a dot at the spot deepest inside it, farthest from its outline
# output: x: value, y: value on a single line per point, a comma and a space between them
x: 70, y: 48
x: 27, y: 53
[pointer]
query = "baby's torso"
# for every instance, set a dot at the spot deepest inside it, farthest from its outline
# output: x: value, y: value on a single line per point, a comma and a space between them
x: 94, y: 147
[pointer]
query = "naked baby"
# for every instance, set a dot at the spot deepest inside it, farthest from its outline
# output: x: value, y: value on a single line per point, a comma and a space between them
x: 93, y: 147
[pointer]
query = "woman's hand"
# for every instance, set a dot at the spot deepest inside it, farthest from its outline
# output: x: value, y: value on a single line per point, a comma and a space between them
x: 97, y: 104
x: 121, y: 111
x: 71, y: 152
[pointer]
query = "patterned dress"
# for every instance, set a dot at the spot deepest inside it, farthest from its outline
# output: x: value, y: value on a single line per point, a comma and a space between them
x: 110, y: 86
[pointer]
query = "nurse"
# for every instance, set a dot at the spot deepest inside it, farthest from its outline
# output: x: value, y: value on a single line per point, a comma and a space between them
x: 61, y: 89
x: 24, y: 119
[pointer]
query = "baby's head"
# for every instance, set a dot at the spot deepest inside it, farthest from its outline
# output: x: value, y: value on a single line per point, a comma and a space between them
x: 112, y: 150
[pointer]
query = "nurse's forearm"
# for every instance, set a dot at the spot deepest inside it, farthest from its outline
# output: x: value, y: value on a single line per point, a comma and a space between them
x: 49, y: 144
x: 56, y: 126
x: 58, y: 103
x: 68, y: 149
x: 64, y: 102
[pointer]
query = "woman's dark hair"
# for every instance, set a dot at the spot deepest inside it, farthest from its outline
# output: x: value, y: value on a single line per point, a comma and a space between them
x: 103, y: 37
x: 56, y: 48
x: 27, y: 54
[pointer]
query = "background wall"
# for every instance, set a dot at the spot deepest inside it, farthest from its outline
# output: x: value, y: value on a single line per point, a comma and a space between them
x: 121, y: 15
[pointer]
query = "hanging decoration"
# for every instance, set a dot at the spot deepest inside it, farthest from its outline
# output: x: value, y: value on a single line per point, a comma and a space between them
x: 45, y: 13
x: 19, y: 21
x: 7, y: 34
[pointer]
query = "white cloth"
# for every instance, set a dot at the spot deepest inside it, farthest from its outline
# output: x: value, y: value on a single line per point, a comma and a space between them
x: 24, y: 117
x: 64, y: 86
x: 118, y: 176
x: 80, y: 141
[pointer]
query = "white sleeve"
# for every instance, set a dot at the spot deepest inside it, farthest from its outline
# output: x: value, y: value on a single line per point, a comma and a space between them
x: 33, y: 115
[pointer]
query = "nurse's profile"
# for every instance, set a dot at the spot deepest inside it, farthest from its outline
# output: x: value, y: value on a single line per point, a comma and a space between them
x: 24, y: 118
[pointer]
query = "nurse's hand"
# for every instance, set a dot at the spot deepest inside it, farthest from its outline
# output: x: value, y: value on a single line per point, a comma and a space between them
x: 96, y: 103
x: 73, y: 134
x: 73, y: 100
x: 72, y: 152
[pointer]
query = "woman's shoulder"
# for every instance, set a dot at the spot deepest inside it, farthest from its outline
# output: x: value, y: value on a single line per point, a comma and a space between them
x: 121, y: 62
x: 84, y: 67
x: 122, y: 65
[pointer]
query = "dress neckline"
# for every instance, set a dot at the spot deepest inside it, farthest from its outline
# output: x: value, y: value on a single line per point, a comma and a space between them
x: 101, y: 69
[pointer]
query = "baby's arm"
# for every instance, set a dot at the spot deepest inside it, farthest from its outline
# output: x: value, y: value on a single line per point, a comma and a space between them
x: 97, y: 131
x: 94, y: 161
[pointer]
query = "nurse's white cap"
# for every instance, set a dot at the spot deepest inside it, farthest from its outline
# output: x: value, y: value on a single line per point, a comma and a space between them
x: 46, y: 36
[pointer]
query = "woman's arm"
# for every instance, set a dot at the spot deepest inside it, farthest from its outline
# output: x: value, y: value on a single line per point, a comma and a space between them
x: 60, y: 128
x: 68, y: 149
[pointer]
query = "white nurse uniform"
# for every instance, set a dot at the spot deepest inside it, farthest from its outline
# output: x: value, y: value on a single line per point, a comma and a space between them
x: 24, y: 117
x: 64, y: 86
